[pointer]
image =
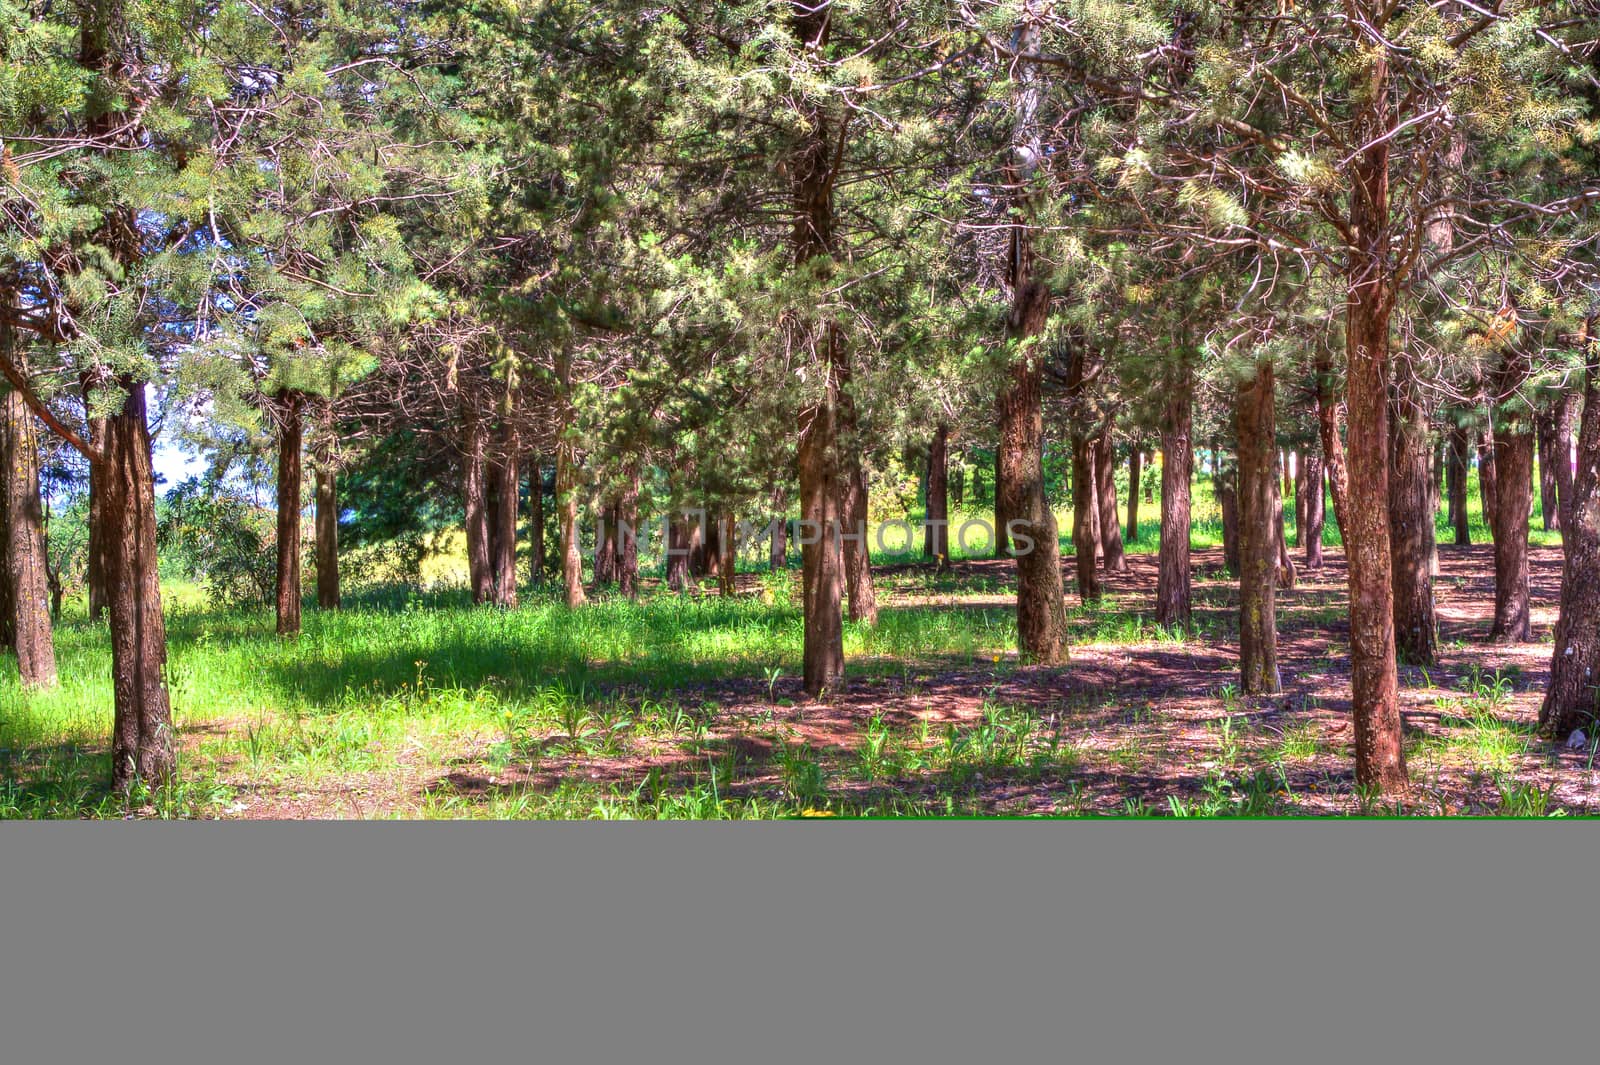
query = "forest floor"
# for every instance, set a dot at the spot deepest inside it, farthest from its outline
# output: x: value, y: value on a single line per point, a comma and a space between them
x: 415, y: 706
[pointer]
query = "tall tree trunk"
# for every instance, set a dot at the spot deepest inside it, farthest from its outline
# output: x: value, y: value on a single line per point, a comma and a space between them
x: 778, y: 550
x: 821, y: 554
x: 1002, y: 541
x: 1258, y: 548
x: 1041, y: 605
x: 503, y: 537
x: 605, y: 545
x: 857, y: 555
x: 625, y: 534
x: 1375, y: 692
x: 728, y: 571
x: 1411, y: 521
x: 1486, y: 480
x: 142, y: 743
x: 326, y: 516
x: 682, y: 536
x: 1549, y: 448
x: 1110, y: 527
x: 567, y: 512
x: 536, y: 521
x: 94, y: 578
x: 1173, y: 599
x: 936, y: 514
x: 1513, y: 498
x: 1085, y: 519
x: 1135, y: 460
x: 1300, y: 501
x: 1458, y: 464
x: 1285, y: 569
x: 290, y: 431
x: 1573, y: 694
x: 1312, y: 491
x: 1566, y: 411
x: 1226, y: 485
x: 1330, y: 417
x: 24, y: 570
x: 475, y: 489
x: 956, y: 482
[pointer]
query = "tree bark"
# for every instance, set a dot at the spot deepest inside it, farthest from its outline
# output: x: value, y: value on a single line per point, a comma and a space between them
x: 1411, y: 522
x: 1364, y: 522
x: 1173, y: 595
x: 625, y: 533
x: 1300, y: 500
x: 1312, y: 491
x: 24, y: 570
x: 327, y: 529
x: 1486, y: 480
x: 1513, y: 498
x: 1566, y: 411
x: 567, y: 512
x: 1110, y: 528
x: 1002, y: 541
x: 1085, y: 519
x: 1285, y: 569
x: 605, y: 546
x: 1458, y: 464
x: 1135, y: 460
x: 142, y: 745
x: 1573, y: 694
x: 857, y: 554
x: 1330, y: 416
x: 536, y: 522
x: 291, y: 425
x: 1226, y: 484
x: 821, y: 554
x: 503, y: 539
x: 1258, y: 547
x: 682, y: 535
x: 728, y: 572
x: 778, y: 549
x: 475, y: 489
x: 1041, y: 605
x: 936, y: 513
x: 95, y: 563
x: 1549, y: 448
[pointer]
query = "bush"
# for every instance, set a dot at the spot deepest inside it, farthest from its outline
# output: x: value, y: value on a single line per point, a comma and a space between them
x: 212, y: 533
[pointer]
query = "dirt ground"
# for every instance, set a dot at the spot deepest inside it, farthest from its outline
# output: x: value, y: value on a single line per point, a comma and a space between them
x: 1146, y: 722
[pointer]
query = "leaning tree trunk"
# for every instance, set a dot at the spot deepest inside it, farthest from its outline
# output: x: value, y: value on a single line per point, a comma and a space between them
x: 1547, y: 423
x: 1106, y: 483
x: 1573, y: 694
x: 1458, y: 464
x: 290, y: 430
x: 1312, y: 489
x: 142, y: 747
x: 1173, y: 598
x: 1364, y: 522
x: 1411, y: 522
x: 1258, y: 542
x: 475, y: 489
x: 503, y: 539
x: 1085, y: 519
x: 24, y: 570
x: 936, y: 513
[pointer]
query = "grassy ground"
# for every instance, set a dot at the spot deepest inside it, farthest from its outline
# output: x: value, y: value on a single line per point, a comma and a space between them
x: 415, y: 704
